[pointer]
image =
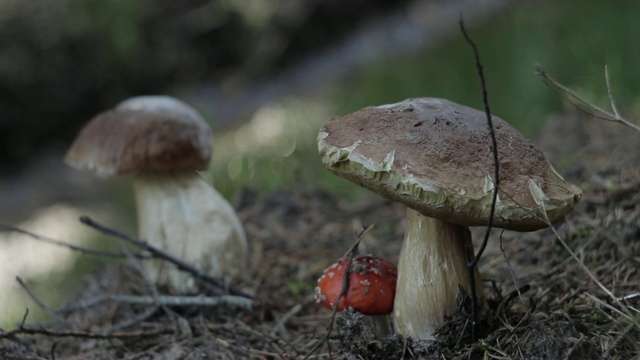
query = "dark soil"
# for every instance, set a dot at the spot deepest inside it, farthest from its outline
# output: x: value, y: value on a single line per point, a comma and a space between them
x: 559, y: 312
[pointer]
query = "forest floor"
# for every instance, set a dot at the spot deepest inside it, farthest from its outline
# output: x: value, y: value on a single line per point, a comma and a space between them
x: 582, y: 307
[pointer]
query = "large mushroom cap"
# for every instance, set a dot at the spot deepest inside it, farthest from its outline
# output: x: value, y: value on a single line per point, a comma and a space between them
x: 146, y: 133
x: 435, y: 156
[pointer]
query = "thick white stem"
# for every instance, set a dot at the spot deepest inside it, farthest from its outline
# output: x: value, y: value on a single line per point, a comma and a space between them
x: 431, y: 270
x: 183, y: 215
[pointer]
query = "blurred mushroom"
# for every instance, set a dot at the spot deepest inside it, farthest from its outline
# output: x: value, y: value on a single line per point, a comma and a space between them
x: 435, y: 157
x: 162, y: 142
x: 371, y: 289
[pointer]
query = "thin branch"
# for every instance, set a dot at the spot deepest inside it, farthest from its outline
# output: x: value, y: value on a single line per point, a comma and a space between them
x: 359, y: 236
x: 573, y: 98
x: 582, y: 104
x: 181, y: 265
x: 610, y: 92
x: 154, y: 293
x: 35, y: 299
x: 25, y: 330
x: 280, y: 325
x: 511, y: 272
x: 80, y: 249
x: 628, y: 297
x: 494, y: 143
x: 137, y: 266
x: 162, y: 300
x: 611, y: 308
x: 345, y: 286
x: 496, y: 183
x: 123, y: 324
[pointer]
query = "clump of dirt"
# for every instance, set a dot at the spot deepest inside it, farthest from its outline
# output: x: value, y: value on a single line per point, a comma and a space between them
x: 357, y: 336
x: 544, y: 340
x: 543, y: 303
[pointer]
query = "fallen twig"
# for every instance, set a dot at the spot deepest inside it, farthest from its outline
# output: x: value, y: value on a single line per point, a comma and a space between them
x: 35, y: 299
x: 628, y: 297
x: 219, y: 284
x: 279, y: 326
x: 163, y: 300
x: 150, y: 284
x: 22, y: 329
x: 26, y: 330
x: 130, y: 321
x: 80, y: 249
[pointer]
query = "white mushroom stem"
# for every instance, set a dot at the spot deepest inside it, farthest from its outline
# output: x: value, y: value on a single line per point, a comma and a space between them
x: 184, y: 216
x: 432, y: 269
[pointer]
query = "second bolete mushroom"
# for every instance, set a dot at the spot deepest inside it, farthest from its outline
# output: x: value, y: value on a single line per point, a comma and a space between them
x: 162, y: 142
x: 435, y: 156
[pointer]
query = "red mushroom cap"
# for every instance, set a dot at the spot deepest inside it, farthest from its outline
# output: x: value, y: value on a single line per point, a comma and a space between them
x: 372, y: 285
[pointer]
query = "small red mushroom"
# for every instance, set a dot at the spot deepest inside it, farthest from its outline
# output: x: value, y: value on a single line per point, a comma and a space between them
x: 371, y: 290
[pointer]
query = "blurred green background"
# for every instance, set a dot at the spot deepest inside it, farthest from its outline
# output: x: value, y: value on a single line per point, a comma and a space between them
x: 262, y: 72
x: 573, y: 40
x: 63, y: 61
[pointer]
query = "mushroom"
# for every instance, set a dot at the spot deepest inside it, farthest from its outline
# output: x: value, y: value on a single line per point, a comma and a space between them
x: 162, y: 142
x: 371, y: 289
x: 435, y: 157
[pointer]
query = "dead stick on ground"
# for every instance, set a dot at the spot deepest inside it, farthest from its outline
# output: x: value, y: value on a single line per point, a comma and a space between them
x: 80, y: 249
x: 130, y: 321
x: 165, y: 300
x: 35, y: 299
x: 164, y: 256
x: 24, y: 330
x: 280, y: 325
x: 150, y: 284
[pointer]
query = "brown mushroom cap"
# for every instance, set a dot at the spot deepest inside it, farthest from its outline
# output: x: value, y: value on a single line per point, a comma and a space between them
x: 435, y: 156
x: 147, y: 133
